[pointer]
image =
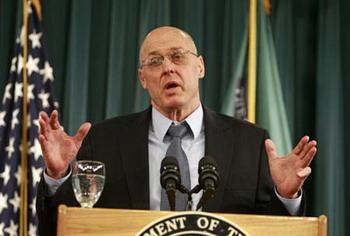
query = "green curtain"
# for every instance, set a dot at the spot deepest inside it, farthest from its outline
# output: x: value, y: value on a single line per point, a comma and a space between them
x: 313, y: 51
x: 93, y: 47
x: 8, y: 26
x: 330, y: 111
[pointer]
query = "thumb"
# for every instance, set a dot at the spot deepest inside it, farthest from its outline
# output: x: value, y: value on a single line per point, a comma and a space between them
x: 270, y: 148
x: 82, y: 132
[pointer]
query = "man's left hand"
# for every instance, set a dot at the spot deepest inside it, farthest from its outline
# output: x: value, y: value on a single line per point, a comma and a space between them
x: 289, y: 172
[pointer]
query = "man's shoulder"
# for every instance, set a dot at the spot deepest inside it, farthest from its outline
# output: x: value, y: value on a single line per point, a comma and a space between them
x: 124, y: 120
x: 230, y: 121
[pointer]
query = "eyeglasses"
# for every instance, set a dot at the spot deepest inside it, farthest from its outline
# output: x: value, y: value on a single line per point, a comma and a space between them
x: 178, y: 57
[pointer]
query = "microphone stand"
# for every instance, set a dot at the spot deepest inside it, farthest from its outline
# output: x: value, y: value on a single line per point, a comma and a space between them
x: 196, y: 189
x: 209, y: 193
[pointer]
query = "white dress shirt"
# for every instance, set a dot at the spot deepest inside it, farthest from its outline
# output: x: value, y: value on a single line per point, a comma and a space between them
x: 158, y: 143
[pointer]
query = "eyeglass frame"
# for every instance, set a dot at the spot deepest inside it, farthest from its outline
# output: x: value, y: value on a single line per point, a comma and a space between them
x: 167, y: 55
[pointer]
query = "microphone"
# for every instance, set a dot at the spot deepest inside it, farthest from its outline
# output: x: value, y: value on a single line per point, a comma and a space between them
x: 170, y: 178
x: 208, y: 179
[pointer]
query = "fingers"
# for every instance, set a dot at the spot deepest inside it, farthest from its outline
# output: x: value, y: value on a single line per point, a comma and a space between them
x: 48, y: 123
x: 54, y: 120
x: 310, y: 145
x: 43, y: 121
x: 42, y: 127
x: 43, y: 115
x: 306, y: 160
x: 299, y: 147
x: 43, y: 141
x: 270, y: 148
x: 82, y: 132
x: 44, y: 147
x: 303, y: 173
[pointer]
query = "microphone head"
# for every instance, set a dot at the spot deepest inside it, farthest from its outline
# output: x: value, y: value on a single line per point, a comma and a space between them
x: 169, y: 160
x: 208, y: 173
x: 208, y: 179
x: 170, y: 172
x: 207, y: 160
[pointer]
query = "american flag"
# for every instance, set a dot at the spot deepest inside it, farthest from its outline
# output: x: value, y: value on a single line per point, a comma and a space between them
x: 40, y: 98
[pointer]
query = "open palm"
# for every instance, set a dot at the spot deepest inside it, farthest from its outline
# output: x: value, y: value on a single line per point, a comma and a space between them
x: 58, y: 148
x: 289, y: 172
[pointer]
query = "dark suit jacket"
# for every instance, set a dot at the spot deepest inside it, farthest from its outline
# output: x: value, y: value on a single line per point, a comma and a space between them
x: 122, y: 144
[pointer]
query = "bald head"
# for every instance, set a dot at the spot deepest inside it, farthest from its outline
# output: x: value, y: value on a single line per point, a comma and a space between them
x: 166, y: 37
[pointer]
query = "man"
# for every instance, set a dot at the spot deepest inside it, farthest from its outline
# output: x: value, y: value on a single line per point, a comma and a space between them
x: 132, y: 147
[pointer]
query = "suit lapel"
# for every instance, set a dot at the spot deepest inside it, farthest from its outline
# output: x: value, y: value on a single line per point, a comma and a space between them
x: 135, y: 159
x: 218, y: 144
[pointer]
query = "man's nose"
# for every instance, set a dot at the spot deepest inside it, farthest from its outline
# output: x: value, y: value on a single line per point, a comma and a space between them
x: 168, y: 66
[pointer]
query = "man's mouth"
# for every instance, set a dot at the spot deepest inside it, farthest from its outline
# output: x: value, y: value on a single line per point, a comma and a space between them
x: 171, y: 85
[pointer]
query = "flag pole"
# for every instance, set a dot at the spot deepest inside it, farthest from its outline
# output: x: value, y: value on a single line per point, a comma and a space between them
x: 24, y: 142
x: 252, y: 61
x: 37, y: 8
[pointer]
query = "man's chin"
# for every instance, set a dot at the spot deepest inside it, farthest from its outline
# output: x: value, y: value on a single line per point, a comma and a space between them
x: 174, y: 106
x: 175, y: 101
x: 169, y: 104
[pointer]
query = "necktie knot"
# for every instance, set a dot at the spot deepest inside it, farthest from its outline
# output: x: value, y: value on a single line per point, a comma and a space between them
x: 179, y: 130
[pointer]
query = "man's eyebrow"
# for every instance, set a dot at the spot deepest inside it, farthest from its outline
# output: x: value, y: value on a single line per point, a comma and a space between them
x: 175, y: 48
x: 153, y: 53
x: 156, y: 52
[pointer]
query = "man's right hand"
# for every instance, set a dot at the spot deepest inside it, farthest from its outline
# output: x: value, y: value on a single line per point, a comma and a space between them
x: 58, y: 148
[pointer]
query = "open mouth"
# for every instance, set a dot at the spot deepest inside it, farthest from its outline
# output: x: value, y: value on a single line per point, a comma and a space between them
x: 171, y: 85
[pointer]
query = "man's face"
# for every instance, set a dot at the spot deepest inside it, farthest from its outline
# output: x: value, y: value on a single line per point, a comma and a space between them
x: 172, y: 83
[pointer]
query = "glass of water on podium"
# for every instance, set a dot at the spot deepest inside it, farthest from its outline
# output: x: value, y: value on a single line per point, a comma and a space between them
x: 88, y: 179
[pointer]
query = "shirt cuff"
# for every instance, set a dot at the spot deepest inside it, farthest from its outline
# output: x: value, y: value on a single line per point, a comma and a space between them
x: 53, y: 184
x: 291, y: 204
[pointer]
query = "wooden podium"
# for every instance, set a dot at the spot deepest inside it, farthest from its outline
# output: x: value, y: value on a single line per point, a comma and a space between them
x: 100, y: 221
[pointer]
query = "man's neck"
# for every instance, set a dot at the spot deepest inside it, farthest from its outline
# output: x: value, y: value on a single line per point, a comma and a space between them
x: 179, y: 114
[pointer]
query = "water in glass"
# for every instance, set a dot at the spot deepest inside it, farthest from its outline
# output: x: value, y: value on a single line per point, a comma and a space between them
x: 88, y: 180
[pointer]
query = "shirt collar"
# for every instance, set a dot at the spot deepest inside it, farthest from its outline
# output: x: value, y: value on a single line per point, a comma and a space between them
x: 161, y: 124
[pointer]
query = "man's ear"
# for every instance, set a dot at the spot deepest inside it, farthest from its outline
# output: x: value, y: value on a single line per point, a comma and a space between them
x: 142, y: 78
x: 201, y: 67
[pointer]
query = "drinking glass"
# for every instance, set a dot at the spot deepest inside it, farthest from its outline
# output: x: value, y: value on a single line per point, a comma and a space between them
x: 88, y: 179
